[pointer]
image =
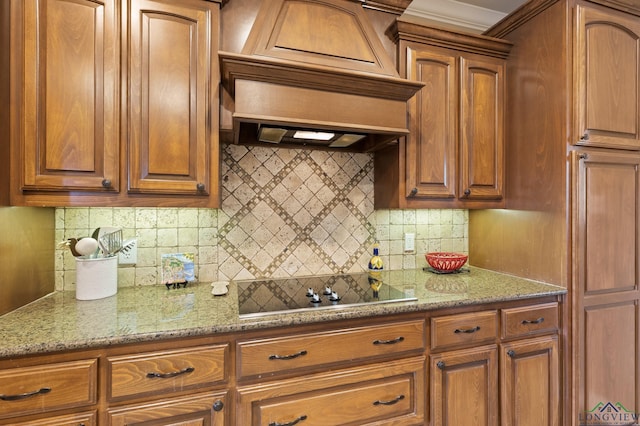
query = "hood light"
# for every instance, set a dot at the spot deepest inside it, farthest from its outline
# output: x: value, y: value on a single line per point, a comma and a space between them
x: 315, y: 136
x: 277, y: 135
x: 346, y: 140
x: 271, y: 134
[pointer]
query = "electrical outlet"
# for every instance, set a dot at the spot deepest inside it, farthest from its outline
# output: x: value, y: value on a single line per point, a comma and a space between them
x: 409, y: 242
x: 129, y: 253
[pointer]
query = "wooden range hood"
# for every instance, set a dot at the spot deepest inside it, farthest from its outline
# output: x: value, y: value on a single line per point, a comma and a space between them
x: 316, y: 65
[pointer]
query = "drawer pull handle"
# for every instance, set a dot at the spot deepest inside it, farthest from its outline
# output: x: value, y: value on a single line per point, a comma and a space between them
x: 169, y: 375
x: 467, y: 330
x: 24, y: 395
x: 389, y: 342
x: 292, y: 356
x: 391, y: 402
x: 291, y: 423
x: 535, y: 321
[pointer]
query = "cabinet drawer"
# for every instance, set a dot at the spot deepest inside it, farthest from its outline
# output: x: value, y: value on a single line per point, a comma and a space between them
x: 192, y: 410
x: 83, y: 419
x: 166, y: 371
x: 277, y: 355
x: 47, y: 387
x: 463, y: 330
x: 529, y: 320
x: 389, y: 393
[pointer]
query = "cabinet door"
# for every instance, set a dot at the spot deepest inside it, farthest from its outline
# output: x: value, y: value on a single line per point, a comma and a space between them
x: 606, y: 285
x: 607, y: 79
x: 464, y: 387
x: 70, y: 63
x: 529, y: 383
x: 481, y: 129
x: 431, y: 145
x: 195, y: 410
x: 173, y: 97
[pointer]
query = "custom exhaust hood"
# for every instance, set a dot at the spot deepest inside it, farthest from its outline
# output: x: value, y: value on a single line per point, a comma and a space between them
x: 314, y: 74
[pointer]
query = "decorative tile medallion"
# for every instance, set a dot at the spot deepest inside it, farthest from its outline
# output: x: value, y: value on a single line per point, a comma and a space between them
x: 295, y: 212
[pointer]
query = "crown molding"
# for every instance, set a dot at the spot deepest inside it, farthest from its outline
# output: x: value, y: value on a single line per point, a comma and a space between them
x: 474, y: 18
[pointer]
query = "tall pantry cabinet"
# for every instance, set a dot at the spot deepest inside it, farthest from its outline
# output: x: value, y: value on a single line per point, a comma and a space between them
x: 111, y: 102
x: 572, y: 213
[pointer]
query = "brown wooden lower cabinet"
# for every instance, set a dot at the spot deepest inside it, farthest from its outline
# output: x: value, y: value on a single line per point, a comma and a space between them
x: 485, y: 365
x: 510, y: 382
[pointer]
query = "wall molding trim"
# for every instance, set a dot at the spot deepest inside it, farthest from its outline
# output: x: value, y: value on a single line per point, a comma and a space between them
x: 452, y: 12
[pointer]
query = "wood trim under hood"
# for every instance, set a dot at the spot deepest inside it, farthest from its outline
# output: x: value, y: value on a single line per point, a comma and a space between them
x: 317, y: 64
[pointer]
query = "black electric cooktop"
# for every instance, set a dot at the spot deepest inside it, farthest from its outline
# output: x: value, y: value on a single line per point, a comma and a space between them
x: 272, y: 296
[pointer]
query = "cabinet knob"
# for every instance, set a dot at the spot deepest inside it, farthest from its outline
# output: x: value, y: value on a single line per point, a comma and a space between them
x: 511, y: 353
x: 467, y: 192
x: 584, y: 137
x: 440, y: 365
x: 200, y: 187
x: 218, y: 405
x: 106, y: 183
x: 413, y: 192
x: 583, y: 156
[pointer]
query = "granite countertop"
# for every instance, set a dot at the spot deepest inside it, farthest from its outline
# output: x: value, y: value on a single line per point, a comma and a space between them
x: 59, y: 322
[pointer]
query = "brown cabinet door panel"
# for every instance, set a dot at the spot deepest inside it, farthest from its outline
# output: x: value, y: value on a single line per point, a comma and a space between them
x: 530, y: 385
x: 609, y: 366
x: 609, y: 209
x: 431, y: 146
x: 70, y: 125
x: 172, y: 78
x: 607, y: 79
x: 464, y: 387
x: 481, y: 129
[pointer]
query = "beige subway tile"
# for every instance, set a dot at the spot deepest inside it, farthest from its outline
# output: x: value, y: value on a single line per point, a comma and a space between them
x: 167, y: 237
x: 147, y: 237
x: 187, y: 237
x: 207, y: 218
x: 76, y: 217
x: 147, y: 256
x: 146, y: 276
x: 146, y: 218
x: 396, y: 217
x: 124, y: 217
x: 167, y: 218
x: 188, y: 218
x: 100, y: 216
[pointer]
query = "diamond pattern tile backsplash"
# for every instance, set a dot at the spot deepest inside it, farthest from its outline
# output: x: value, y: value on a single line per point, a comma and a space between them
x: 284, y: 213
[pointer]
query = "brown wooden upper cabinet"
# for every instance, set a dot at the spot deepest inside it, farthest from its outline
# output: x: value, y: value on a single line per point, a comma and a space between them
x: 454, y: 154
x: 68, y: 60
x: 114, y: 102
x: 607, y: 58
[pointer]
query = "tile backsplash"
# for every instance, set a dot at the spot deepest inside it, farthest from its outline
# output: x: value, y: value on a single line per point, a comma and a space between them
x: 284, y: 213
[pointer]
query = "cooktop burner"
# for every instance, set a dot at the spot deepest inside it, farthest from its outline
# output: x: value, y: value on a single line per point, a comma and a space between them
x: 269, y: 296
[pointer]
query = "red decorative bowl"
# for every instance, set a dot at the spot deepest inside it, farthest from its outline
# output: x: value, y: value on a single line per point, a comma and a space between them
x: 446, y: 262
